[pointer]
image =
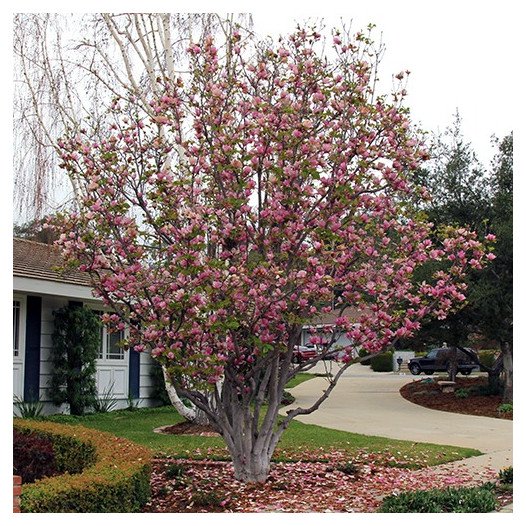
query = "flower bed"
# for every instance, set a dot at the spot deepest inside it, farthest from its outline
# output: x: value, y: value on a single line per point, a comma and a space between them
x: 470, y: 398
x: 104, y: 474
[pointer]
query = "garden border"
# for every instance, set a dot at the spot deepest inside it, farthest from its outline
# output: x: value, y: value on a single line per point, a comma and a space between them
x: 117, y: 482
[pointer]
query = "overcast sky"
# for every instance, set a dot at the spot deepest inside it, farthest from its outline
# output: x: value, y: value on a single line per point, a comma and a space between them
x: 462, y: 54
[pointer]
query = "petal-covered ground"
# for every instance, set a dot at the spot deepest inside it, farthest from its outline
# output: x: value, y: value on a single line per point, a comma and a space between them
x: 209, y: 486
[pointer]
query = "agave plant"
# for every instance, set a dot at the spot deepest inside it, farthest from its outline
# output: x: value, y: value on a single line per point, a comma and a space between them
x: 28, y: 408
x: 106, y: 401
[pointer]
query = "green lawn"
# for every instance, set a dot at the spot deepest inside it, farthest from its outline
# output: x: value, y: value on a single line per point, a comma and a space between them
x: 299, y: 441
x: 300, y: 378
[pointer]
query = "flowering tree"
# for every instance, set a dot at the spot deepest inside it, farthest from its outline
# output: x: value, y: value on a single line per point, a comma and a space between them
x: 266, y: 188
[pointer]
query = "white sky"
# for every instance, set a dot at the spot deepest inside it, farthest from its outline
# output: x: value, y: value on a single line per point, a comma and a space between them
x: 461, y: 55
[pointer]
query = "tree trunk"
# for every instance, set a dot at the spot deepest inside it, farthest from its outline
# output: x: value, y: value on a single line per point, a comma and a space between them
x: 507, y: 363
x: 254, y: 468
x: 192, y: 414
x: 494, y: 374
x: 453, y: 369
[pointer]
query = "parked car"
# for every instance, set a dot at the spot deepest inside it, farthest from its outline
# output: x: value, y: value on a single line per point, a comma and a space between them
x: 302, y: 354
x: 441, y: 360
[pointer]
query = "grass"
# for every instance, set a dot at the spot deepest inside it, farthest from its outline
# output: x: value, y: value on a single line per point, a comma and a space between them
x: 300, y: 378
x: 298, y: 440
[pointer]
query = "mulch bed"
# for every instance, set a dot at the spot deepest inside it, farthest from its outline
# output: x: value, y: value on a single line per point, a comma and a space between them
x: 205, y: 486
x: 427, y: 393
x: 187, y: 428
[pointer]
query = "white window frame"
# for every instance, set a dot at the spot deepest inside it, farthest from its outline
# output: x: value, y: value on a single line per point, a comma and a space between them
x: 20, y: 352
x: 102, y: 357
x: 105, y: 350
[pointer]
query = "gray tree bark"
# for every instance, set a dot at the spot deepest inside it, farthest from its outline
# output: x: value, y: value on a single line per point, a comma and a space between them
x: 507, y: 364
x: 192, y: 413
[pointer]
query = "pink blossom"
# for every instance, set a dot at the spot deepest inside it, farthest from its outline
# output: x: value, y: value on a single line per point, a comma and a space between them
x: 288, y: 185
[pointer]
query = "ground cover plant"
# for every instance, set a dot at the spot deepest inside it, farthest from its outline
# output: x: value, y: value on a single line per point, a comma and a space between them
x: 448, y: 500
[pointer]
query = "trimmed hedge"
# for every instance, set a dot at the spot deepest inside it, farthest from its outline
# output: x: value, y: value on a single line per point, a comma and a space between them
x: 104, y: 473
x: 382, y: 363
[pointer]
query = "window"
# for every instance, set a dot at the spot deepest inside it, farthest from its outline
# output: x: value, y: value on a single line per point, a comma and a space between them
x: 16, y: 327
x: 109, y: 343
x: 112, y: 350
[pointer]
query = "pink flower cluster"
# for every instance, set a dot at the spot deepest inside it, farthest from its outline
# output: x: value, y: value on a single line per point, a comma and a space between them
x: 221, y: 223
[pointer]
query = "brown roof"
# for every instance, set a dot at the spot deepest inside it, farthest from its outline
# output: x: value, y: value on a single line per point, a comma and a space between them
x: 40, y: 261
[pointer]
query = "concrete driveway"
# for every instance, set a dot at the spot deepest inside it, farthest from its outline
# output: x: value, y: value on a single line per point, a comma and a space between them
x: 370, y: 403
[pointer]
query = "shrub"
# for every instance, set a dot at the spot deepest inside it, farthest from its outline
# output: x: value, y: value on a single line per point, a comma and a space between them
x: 33, y: 456
x: 158, y: 391
x: 106, y: 401
x: 382, y: 363
x: 487, y: 358
x: 506, y: 475
x: 450, y: 500
x: 361, y: 354
x: 28, y: 408
x: 462, y: 393
x: 486, y: 390
x: 505, y: 408
x: 76, y: 341
x: 210, y: 499
x: 287, y: 398
x: 105, y: 474
x: 174, y: 471
x: 349, y: 468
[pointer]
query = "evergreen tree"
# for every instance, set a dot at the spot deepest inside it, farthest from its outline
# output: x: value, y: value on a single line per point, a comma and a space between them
x: 464, y: 194
x: 76, y: 341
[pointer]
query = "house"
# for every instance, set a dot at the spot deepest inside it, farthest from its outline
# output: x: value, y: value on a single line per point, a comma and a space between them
x: 323, y: 325
x: 38, y: 290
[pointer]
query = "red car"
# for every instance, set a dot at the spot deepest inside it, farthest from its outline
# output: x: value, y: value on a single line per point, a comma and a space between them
x: 302, y: 354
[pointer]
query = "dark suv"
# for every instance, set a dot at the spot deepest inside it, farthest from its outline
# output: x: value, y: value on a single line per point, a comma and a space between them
x: 441, y: 360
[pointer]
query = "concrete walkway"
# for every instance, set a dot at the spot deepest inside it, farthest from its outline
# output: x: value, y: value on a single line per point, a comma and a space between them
x: 370, y: 403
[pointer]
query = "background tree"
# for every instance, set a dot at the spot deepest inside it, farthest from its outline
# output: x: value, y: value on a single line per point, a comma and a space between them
x: 278, y: 177
x: 492, y: 294
x: 67, y: 70
x: 76, y: 343
x: 35, y: 231
x: 464, y: 194
x: 460, y: 192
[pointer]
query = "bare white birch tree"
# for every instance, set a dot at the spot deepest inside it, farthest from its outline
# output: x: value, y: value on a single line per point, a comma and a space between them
x: 67, y: 70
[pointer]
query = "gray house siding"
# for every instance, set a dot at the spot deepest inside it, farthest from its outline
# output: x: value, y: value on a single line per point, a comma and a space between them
x: 114, y: 374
